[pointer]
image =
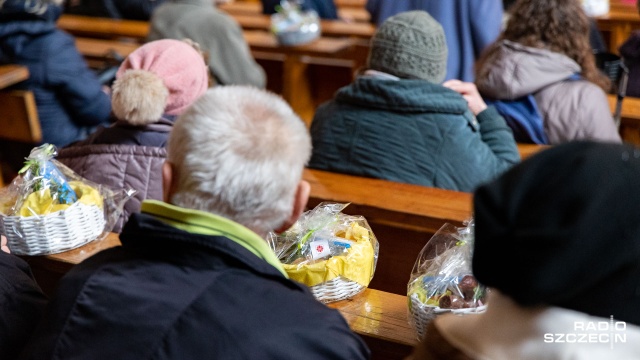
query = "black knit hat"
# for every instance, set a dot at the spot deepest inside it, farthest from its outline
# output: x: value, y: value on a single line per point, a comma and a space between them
x: 563, y: 228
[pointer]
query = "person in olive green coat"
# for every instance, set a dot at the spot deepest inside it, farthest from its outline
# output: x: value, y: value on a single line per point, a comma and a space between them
x: 396, y: 122
x: 219, y: 36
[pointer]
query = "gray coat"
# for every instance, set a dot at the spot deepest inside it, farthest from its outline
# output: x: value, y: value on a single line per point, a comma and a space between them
x: 230, y: 60
x: 570, y: 109
x: 120, y: 167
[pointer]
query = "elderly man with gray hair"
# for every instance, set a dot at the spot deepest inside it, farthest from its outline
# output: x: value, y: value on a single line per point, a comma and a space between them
x: 194, y: 277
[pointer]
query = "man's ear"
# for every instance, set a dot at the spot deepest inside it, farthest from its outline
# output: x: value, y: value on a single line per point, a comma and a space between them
x: 168, y: 181
x: 299, y: 203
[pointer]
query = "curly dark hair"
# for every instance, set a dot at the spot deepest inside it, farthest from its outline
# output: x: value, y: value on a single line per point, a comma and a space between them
x: 557, y: 25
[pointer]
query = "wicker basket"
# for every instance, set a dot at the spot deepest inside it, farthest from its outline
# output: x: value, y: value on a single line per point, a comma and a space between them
x: 337, y: 289
x: 53, y: 233
x: 423, y: 314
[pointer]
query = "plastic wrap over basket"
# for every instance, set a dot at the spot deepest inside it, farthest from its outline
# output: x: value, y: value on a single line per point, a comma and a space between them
x: 50, y: 209
x: 333, y: 253
x: 294, y: 27
x: 441, y: 280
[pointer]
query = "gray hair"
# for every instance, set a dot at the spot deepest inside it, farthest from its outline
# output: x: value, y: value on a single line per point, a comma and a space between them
x: 239, y: 153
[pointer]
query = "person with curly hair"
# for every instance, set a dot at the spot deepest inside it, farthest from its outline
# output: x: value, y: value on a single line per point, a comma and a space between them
x: 545, y: 52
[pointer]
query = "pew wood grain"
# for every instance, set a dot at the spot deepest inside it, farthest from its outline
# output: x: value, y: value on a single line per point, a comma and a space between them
x: 619, y: 23
x: 12, y: 74
x: 630, y: 118
x: 104, y: 27
x: 358, y: 14
x: 381, y: 319
x: 100, y: 48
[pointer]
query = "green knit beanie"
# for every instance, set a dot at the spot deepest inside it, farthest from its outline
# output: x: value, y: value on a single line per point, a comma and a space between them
x: 410, y: 45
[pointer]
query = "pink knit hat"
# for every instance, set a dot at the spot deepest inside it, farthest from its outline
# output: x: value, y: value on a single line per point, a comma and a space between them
x: 160, y: 77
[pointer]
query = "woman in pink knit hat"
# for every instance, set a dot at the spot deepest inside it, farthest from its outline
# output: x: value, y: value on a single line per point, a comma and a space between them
x: 154, y: 85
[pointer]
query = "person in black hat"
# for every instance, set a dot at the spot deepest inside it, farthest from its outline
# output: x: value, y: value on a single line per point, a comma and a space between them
x: 557, y: 240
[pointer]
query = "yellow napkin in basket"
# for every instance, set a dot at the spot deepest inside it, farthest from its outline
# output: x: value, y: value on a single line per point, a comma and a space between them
x: 357, y: 265
x: 41, y: 202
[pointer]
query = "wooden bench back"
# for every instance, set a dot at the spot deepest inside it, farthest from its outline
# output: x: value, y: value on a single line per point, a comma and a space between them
x: 19, y: 117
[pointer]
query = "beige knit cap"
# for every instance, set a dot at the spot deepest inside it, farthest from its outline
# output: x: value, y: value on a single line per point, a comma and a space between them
x: 410, y: 45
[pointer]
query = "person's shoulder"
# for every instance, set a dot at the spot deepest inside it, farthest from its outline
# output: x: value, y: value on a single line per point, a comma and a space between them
x: 274, y: 311
x: 581, y: 93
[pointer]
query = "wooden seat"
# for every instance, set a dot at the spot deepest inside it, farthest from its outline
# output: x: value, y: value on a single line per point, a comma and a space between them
x: 19, y: 117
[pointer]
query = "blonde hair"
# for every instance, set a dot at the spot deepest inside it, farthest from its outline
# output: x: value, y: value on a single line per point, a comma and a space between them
x: 239, y: 152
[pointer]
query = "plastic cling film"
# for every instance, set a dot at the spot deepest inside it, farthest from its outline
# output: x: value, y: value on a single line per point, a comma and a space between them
x: 442, y: 281
x: 325, y: 245
x: 50, y: 209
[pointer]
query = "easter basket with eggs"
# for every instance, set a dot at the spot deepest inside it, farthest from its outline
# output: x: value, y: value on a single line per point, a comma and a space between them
x: 441, y: 280
x: 49, y: 209
x: 333, y: 253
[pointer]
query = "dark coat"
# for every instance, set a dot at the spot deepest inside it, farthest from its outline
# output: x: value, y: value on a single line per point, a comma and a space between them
x: 68, y: 95
x: 410, y: 131
x: 169, y: 294
x: 23, y: 305
x: 123, y: 157
x: 326, y: 9
x: 630, y: 51
x: 115, y: 9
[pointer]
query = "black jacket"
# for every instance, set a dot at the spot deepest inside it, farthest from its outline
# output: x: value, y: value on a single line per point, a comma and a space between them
x: 169, y: 294
x: 22, y: 305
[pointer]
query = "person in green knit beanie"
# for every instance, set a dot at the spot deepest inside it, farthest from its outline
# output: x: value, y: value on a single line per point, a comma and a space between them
x: 398, y: 121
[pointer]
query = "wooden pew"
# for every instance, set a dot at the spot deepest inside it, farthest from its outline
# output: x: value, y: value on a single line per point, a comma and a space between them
x: 619, y: 23
x: 357, y: 14
x: 12, y: 74
x: 630, y: 119
x: 350, y: 3
x: 104, y: 28
x: 380, y: 318
x: 18, y: 116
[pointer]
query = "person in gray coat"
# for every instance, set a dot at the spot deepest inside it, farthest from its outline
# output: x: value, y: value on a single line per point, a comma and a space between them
x: 545, y: 52
x: 397, y: 122
x: 229, y: 57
